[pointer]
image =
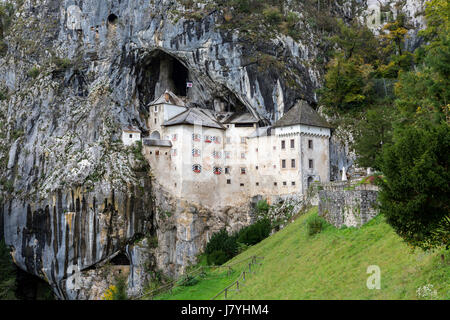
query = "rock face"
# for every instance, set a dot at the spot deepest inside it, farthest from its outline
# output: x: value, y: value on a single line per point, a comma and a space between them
x: 74, y: 72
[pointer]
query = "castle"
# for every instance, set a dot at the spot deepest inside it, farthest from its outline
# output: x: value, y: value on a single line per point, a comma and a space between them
x: 227, y: 158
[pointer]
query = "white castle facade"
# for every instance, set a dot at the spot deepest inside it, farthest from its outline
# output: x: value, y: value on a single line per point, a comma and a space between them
x: 225, y: 158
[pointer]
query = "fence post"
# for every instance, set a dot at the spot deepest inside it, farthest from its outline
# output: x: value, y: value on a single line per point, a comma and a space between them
x: 226, y: 293
x: 243, y: 276
x: 237, y: 285
x: 249, y: 268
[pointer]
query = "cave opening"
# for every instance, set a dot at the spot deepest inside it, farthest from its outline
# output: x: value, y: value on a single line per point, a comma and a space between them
x: 158, y: 72
x: 112, y: 19
x: 120, y: 259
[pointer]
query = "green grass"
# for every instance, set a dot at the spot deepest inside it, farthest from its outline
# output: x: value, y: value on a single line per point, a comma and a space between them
x: 330, y: 265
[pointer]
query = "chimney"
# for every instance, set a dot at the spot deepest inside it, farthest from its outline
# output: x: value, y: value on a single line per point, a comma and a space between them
x: 166, y: 96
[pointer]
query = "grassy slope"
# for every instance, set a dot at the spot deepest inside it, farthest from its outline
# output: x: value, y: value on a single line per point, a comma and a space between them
x: 332, y: 265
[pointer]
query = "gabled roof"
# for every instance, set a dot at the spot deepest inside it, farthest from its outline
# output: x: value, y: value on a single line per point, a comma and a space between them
x: 241, y: 118
x: 131, y: 128
x: 168, y: 97
x: 195, y: 116
x: 302, y: 113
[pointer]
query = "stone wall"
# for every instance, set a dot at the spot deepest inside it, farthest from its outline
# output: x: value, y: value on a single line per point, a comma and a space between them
x: 349, y: 206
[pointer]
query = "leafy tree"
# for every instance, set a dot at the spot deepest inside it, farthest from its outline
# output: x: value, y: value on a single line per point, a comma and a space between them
x: 415, y: 193
x: 356, y: 40
x: 347, y: 85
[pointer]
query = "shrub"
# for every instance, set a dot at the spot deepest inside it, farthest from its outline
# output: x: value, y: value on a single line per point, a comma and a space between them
x: 121, y: 289
x: 262, y: 207
x: 217, y: 258
x: 255, y: 233
x: 273, y: 15
x: 315, y: 225
x: 221, y: 241
x: 33, y: 72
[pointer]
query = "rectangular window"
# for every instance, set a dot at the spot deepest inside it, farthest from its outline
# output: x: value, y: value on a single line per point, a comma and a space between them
x: 242, y: 170
x: 227, y: 155
x: 196, y: 137
x: 311, y: 164
x: 283, y: 164
x: 155, y: 120
x: 293, y: 183
x: 228, y: 181
x: 243, y: 140
x: 156, y: 108
x: 284, y: 183
x: 292, y: 143
x: 292, y: 163
x: 310, y: 144
x: 257, y: 184
x: 131, y: 136
x: 257, y: 167
x: 242, y: 155
x: 174, y: 137
x: 283, y: 144
x: 227, y: 170
x: 174, y: 152
x: 275, y: 184
x: 241, y: 184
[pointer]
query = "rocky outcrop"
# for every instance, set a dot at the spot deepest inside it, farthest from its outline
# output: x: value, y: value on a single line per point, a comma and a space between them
x: 71, y: 75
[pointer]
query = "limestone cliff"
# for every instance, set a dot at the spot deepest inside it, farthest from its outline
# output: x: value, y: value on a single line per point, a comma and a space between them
x: 72, y: 73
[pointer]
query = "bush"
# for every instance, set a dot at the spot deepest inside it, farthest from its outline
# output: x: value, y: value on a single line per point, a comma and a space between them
x: 221, y: 241
x: 315, y: 225
x: 33, y: 72
x: 217, y: 258
x: 255, y: 233
x: 273, y: 15
x: 121, y: 289
x: 262, y: 207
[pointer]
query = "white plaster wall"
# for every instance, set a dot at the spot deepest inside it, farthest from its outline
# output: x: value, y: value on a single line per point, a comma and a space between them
x: 127, y: 140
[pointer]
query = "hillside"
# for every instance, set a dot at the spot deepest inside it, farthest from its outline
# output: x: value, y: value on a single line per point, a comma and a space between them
x: 331, y: 265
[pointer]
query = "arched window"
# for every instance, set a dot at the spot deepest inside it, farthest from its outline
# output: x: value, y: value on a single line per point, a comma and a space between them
x: 155, y: 135
x: 197, y: 168
x: 310, y: 180
x: 217, y: 170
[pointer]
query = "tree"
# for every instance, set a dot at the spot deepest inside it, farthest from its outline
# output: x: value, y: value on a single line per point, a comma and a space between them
x: 347, y: 85
x: 415, y: 193
x: 374, y: 131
